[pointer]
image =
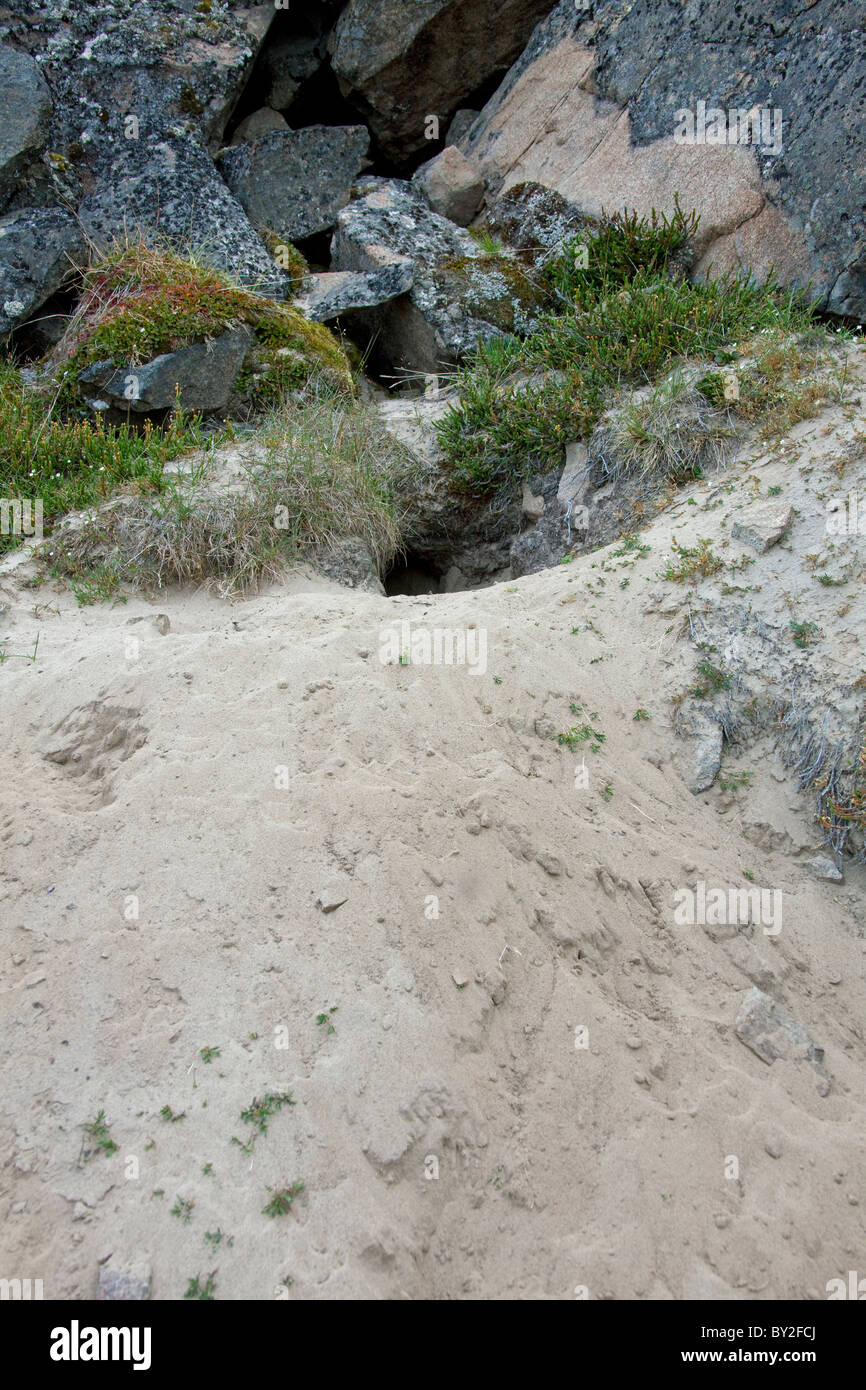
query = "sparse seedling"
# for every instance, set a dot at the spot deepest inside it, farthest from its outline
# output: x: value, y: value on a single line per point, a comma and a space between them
x: 261, y: 1110
x: 183, y: 1209
x: 207, y: 1054
x: 97, y: 1130
x: 735, y: 780
x: 803, y: 633
x: 203, y: 1291
x: 169, y: 1116
x: 281, y: 1200
x: 640, y: 714
x: 324, y: 1019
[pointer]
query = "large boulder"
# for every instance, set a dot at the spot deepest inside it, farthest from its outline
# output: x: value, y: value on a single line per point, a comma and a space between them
x: 604, y: 102
x: 39, y: 248
x: 292, y: 183
x: 452, y: 185
x: 198, y: 377
x: 174, y: 187
x: 402, y: 62
x: 26, y: 116
x: 459, y: 294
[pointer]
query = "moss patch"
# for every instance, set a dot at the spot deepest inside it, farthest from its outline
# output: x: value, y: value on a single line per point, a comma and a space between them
x: 494, y: 288
x: 138, y: 302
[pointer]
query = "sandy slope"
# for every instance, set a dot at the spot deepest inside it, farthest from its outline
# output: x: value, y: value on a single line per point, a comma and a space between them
x: 413, y: 789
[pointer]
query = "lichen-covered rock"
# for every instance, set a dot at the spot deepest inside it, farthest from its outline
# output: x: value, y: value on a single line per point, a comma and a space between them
x: 536, y: 220
x: 402, y: 61
x: 294, y: 182
x: 27, y: 109
x: 175, y: 188
x: 325, y: 297
x: 39, y: 248
x: 459, y: 293
x: 594, y: 109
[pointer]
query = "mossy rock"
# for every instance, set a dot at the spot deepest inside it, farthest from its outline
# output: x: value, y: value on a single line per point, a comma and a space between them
x: 494, y: 288
x: 139, y: 303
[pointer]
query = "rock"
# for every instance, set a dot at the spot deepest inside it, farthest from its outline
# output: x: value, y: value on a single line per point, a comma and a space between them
x: 114, y: 1285
x: 201, y: 376
x: 293, y: 183
x: 175, y: 187
x: 401, y: 62
x: 497, y: 984
x: 574, y: 484
x: 39, y: 248
x: 458, y: 293
x: 325, y: 297
x: 533, y: 507
x: 460, y: 979
x: 704, y: 757
x: 452, y: 185
x: 287, y: 66
x: 27, y: 108
x: 762, y: 527
x: 536, y: 220
x: 771, y: 1032
x: 461, y: 121
x: 260, y: 122
x: 824, y: 867
x: 350, y: 562
x: 531, y: 552
x: 592, y: 106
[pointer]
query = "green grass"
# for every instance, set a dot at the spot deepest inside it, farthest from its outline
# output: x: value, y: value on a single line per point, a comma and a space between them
x: 624, y: 320
x: 203, y: 1291
x: 74, y: 464
x: 262, y: 1110
x: 692, y: 562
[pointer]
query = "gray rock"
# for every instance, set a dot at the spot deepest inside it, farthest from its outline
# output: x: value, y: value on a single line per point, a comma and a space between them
x: 457, y: 294
x: 174, y: 187
x: 824, y: 867
x: 39, y: 248
x: 200, y: 376
x: 401, y: 62
x: 796, y: 202
x: 113, y: 1285
x: 461, y: 121
x: 287, y: 65
x: 325, y: 297
x: 260, y: 122
x: 536, y: 220
x: 772, y: 1033
x: 293, y: 183
x: 574, y: 484
x: 705, y: 752
x: 27, y: 110
x: 349, y: 562
x: 533, y: 506
x: 762, y: 527
x: 452, y: 185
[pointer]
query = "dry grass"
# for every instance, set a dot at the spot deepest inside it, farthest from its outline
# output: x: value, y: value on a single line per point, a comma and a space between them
x: 327, y: 474
x: 670, y: 434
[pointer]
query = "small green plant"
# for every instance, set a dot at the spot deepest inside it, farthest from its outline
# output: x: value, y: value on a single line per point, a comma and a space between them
x: 182, y: 1209
x: 712, y: 679
x: 169, y: 1116
x: 692, y: 562
x: 207, y: 1054
x: 207, y: 1170
x: 803, y: 633
x: 217, y: 1237
x: 97, y: 1130
x: 262, y: 1110
x: 203, y: 1291
x: 641, y: 714
x: 735, y: 780
x: 747, y: 873
x: 608, y: 792
x: 281, y: 1200
x: 324, y: 1019
x: 583, y: 733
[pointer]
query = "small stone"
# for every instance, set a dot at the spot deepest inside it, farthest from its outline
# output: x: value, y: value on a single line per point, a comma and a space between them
x: 115, y: 1286
x: 634, y: 1042
x: 459, y: 979
x: 773, y: 1147
x: 762, y: 527
x: 162, y: 623
x: 824, y: 867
